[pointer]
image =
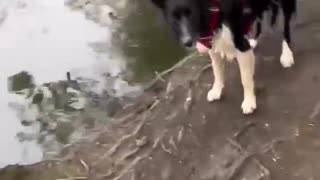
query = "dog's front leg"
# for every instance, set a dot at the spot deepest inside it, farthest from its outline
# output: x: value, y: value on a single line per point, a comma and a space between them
x: 246, y: 61
x: 218, y: 73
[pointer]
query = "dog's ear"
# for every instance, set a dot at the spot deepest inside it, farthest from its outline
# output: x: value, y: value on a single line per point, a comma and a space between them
x: 159, y: 3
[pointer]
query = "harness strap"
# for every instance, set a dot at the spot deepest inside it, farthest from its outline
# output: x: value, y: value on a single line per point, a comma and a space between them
x: 214, y: 10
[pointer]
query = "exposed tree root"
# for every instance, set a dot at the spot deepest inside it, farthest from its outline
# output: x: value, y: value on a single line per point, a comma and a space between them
x: 180, y: 134
x: 165, y: 149
x: 85, y: 165
x: 244, y: 129
x: 173, y: 144
x: 237, y: 166
x: 189, y: 101
x: 128, y: 167
x: 126, y: 137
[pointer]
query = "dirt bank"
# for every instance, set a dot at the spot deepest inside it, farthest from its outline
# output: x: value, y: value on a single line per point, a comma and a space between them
x: 172, y: 133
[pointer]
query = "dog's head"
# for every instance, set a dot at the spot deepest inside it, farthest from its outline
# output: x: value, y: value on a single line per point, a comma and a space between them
x: 187, y: 18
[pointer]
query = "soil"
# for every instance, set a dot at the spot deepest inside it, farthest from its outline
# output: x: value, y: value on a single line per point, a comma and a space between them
x: 173, y: 133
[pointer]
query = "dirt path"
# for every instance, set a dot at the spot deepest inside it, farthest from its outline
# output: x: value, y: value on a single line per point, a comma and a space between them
x: 172, y: 133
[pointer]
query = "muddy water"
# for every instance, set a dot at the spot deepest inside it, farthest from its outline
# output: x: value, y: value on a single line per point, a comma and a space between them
x: 151, y: 46
x: 44, y: 40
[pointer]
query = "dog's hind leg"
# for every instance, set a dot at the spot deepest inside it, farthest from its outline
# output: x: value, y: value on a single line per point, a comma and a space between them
x: 218, y: 73
x: 286, y: 58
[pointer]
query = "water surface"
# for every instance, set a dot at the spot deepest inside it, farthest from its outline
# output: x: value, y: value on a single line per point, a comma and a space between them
x: 45, y: 39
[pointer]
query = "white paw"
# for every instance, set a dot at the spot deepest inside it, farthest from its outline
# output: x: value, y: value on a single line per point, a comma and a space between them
x: 286, y: 58
x: 214, y: 94
x: 253, y: 43
x: 249, y: 105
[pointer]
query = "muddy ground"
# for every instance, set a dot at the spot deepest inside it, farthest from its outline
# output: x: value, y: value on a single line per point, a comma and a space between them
x: 165, y: 136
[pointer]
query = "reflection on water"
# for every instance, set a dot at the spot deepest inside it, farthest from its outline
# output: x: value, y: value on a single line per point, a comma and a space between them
x: 150, y: 43
x: 46, y: 39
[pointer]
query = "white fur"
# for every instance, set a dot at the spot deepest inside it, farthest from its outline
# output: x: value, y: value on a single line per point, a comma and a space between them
x: 223, y: 46
x: 246, y: 61
x: 286, y: 58
x: 253, y: 43
x: 218, y: 73
x: 214, y: 94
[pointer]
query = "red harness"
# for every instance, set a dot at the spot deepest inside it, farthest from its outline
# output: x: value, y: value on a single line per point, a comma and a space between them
x: 206, y: 38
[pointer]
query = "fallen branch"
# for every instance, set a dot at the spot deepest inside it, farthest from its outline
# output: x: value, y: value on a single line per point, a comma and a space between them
x: 168, y: 71
x: 159, y: 76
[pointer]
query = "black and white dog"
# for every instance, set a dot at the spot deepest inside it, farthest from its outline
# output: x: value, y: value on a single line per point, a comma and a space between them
x: 225, y: 25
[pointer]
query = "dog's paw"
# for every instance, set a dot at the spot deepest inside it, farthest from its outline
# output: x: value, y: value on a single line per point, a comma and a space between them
x: 286, y: 58
x: 249, y: 105
x: 253, y: 43
x: 214, y: 94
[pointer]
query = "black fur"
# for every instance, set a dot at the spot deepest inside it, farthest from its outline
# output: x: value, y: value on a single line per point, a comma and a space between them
x: 231, y: 14
x: 194, y: 11
x: 288, y: 8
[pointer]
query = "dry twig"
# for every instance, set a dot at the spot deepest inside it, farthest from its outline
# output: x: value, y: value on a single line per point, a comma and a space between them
x: 168, y: 71
x: 154, y: 104
x: 159, y: 76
